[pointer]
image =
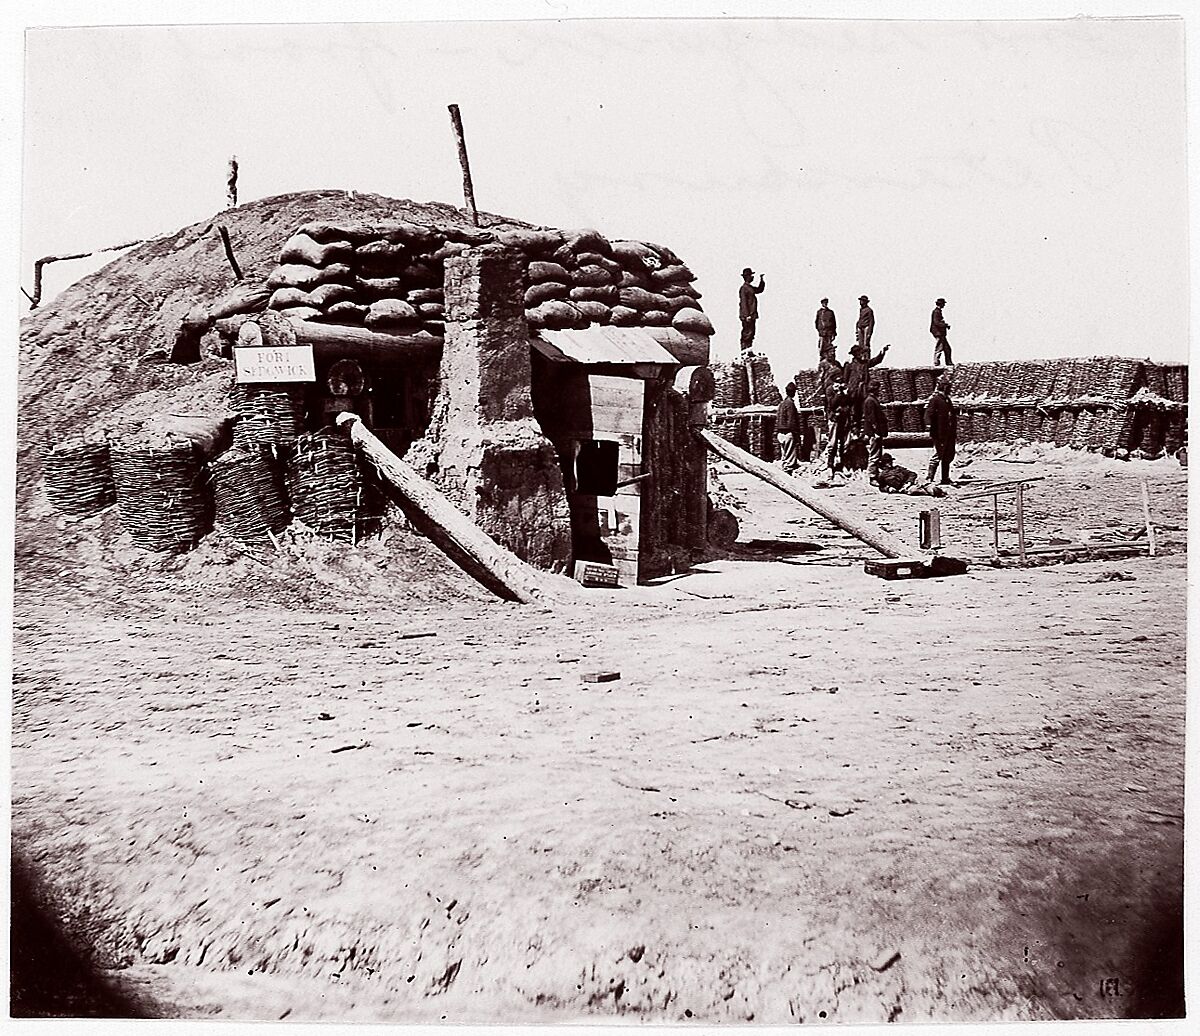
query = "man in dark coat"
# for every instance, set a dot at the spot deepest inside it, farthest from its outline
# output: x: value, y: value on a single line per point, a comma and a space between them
x: 938, y: 328
x: 875, y: 428
x: 942, y: 420
x: 866, y: 323
x: 787, y: 424
x: 837, y: 409
x: 826, y: 324
x: 857, y: 376
x: 748, y: 306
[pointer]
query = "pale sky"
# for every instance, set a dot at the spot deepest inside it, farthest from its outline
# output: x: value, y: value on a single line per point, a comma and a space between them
x: 1034, y: 173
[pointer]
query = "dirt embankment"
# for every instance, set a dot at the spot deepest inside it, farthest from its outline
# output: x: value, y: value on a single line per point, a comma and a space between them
x: 811, y: 794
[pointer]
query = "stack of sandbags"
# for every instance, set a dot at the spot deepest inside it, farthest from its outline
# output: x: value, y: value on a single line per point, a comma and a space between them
x: 325, y: 485
x: 579, y: 277
x: 78, y: 478
x: 732, y: 385
x: 248, y: 494
x: 762, y: 381
x: 388, y: 277
x: 164, y: 500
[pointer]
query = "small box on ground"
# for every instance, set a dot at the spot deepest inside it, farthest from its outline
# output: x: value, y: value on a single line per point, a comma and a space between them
x: 895, y: 568
x: 595, y: 573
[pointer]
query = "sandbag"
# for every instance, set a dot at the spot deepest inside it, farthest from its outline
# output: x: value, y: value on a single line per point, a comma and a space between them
x: 418, y: 295
x: 324, y: 231
x: 542, y: 271
x: 556, y: 316
x: 470, y: 235
x: 534, y: 242
x: 283, y: 298
x: 422, y: 275
x: 587, y: 240
x: 638, y: 298
x: 300, y: 312
x: 692, y: 320
x: 676, y: 273
x: 380, y: 248
x: 380, y: 287
x: 606, y: 293
x: 302, y: 249
x: 686, y: 291
x: 448, y: 251
x: 210, y: 434
x: 591, y: 276
x: 596, y: 312
x: 656, y: 318
x: 294, y: 275
x: 390, y: 313
x: 544, y: 291
x: 325, y: 295
x: 431, y: 310
x: 676, y: 303
x: 596, y: 259
x: 348, y: 312
x: 631, y: 254
x: 624, y: 316
x: 413, y: 234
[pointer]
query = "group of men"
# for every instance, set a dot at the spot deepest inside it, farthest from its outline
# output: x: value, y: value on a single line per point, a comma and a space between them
x: 826, y: 322
x: 850, y: 395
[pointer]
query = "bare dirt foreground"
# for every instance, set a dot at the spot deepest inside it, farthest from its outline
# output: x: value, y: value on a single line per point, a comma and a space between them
x: 812, y: 795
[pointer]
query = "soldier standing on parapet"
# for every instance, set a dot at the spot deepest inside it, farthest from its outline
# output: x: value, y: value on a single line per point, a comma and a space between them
x: 826, y: 324
x: 748, y: 306
x: 866, y: 324
x: 938, y: 328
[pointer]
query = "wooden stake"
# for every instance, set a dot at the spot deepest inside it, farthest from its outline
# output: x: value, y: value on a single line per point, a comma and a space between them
x: 1021, y: 520
x: 46, y: 260
x: 237, y: 270
x: 460, y: 140
x: 231, y: 183
x: 1146, y: 511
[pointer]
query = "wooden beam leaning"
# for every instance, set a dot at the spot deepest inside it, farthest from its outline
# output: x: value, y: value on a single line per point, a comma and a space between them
x: 888, y: 545
x: 464, y: 542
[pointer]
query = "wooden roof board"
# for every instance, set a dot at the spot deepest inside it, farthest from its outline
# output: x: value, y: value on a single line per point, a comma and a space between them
x: 602, y: 344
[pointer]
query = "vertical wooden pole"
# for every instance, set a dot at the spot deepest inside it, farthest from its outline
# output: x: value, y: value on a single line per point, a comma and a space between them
x: 1021, y: 521
x: 460, y: 140
x: 1149, y: 526
x: 231, y: 183
x: 996, y: 525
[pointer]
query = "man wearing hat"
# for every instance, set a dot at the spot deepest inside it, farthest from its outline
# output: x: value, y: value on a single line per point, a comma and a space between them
x: 866, y: 324
x: 938, y: 328
x: 748, y: 306
x: 942, y: 421
x: 826, y: 330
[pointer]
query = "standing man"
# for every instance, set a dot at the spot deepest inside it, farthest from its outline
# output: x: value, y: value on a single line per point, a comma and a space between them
x: 866, y: 323
x: 826, y: 324
x: 857, y: 375
x: 787, y: 424
x: 942, y: 420
x: 748, y: 306
x: 875, y: 427
x: 837, y: 407
x: 938, y: 328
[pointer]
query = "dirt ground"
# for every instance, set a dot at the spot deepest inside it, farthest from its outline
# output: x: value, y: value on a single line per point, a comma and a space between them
x: 331, y: 790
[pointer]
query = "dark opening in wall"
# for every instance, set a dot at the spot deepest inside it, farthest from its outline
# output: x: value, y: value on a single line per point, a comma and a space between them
x: 596, y: 467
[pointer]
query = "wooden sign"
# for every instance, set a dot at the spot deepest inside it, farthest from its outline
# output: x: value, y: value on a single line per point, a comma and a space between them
x: 266, y: 364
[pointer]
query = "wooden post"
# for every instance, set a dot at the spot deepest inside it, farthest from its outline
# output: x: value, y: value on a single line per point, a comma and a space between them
x: 460, y: 140
x: 233, y: 263
x: 887, y: 545
x: 461, y: 539
x: 1021, y: 520
x: 996, y: 525
x: 1149, y: 525
x: 231, y: 183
